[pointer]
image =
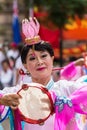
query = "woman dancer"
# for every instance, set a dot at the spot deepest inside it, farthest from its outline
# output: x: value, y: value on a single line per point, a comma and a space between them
x: 37, y: 57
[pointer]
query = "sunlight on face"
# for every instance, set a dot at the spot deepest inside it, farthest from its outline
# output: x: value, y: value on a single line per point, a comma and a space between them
x: 39, y: 64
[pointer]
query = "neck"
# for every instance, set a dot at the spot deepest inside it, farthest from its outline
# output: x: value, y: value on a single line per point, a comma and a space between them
x: 42, y: 81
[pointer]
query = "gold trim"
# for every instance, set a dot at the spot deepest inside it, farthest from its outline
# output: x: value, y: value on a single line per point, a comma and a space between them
x: 34, y: 40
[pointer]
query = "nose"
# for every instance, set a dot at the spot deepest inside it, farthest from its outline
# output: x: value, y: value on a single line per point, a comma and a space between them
x: 39, y: 61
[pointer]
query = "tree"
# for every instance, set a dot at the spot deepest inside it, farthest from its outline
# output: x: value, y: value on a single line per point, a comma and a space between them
x: 60, y: 11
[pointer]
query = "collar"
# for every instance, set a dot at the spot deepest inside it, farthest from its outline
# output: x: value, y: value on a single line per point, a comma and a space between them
x: 50, y: 84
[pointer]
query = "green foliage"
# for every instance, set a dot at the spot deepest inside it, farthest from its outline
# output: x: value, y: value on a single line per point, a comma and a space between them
x: 41, y: 2
x: 60, y: 10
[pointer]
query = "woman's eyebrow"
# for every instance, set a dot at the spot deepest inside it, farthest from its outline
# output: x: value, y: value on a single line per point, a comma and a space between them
x: 30, y: 54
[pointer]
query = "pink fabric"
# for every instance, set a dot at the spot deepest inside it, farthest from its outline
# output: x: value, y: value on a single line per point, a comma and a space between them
x: 30, y: 28
x: 65, y: 110
x: 1, y: 106
x: 17, y: 120
x: 71, y: 72
x: 64, y: 118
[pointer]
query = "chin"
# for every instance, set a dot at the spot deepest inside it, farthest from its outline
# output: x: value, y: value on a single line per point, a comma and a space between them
x: 43, y: 76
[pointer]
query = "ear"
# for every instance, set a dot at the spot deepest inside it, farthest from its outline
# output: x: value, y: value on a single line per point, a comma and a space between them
x: 53, y: 58
x: 25, y: 66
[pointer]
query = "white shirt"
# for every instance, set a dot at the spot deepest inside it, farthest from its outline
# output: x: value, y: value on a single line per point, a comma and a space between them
x: 2, y: 57
x: 13, y: 53
x: 6, y: 77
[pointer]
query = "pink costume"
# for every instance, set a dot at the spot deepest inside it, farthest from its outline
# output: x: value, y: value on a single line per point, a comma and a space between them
x: 61, y: 88
x: 65, y: 114
x: 71, y: 72
x: 1, y: 106
x: 65, y: 109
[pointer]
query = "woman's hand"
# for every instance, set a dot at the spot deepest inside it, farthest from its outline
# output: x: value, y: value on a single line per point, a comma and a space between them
x: 11, y: 100
x: 79, y: 62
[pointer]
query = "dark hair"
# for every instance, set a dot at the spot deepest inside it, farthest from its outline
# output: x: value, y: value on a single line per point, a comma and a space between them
x: 42, y: 46
x: 5, y: 61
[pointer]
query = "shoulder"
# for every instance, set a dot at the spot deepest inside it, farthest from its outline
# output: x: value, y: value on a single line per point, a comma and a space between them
x: 64, y: 87
x: 64, y: 83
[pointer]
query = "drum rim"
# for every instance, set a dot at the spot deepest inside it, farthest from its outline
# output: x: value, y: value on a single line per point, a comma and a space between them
x: 45, y: 90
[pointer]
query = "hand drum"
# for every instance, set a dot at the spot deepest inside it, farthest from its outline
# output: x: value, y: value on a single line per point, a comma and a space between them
x: 36, y: 104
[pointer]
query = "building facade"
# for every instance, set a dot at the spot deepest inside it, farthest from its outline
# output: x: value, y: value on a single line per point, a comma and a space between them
x: 6, y: 13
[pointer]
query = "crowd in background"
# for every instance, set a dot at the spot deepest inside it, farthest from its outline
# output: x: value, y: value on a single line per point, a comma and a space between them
x: 10, y: 65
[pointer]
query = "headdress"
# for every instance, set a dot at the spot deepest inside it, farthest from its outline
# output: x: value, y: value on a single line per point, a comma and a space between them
x: 30, y: 29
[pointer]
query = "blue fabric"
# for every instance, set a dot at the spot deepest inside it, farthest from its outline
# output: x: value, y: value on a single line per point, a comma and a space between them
x: 50, y: 84
x: 11, y: 118
x: 6, y: 115
x: 16, y: 30
x: 1, y: 127
x: 84, y: 70
x: 23, y: 124
x: 85, y: 80
x: 61, y: 101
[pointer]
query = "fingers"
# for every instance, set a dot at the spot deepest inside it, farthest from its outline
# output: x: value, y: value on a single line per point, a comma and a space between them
x: 14, y: 101
x: 14, y: 107
x: 11, y: 100
x: 14, y: 96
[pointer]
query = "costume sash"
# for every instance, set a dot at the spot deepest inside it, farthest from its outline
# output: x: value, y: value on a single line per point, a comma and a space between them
x: 17, y: 120
x: 66, y: 108
x: 11, y: 119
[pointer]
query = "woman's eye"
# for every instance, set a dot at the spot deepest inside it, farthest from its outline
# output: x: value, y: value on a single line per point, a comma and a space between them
x: 45, y: 55
x: 32, y: 58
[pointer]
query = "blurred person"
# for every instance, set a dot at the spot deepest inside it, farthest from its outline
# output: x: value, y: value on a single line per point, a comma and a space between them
x: 13, y: 51
x: 11, y: 62
x: 13, y: 68
x: 19, y: 76
x: 56, y: 75
x: 2, y: 54
x: 6, y: 74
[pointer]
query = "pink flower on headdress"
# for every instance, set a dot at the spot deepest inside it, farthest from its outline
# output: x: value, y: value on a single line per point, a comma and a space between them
x: 30, y: 27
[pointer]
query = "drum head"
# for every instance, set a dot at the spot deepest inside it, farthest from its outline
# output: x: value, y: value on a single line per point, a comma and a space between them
x: 36, y: 103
